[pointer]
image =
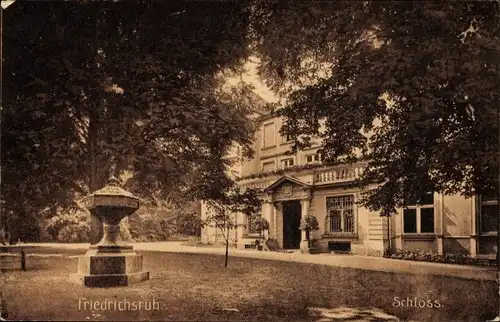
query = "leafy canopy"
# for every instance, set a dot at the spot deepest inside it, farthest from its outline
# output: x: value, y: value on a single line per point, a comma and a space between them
x: 134, y: 86
x: 410, y: 87
x: 309, y: 223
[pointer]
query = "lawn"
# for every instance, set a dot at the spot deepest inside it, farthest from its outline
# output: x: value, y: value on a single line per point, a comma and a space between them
x: 198, y: 287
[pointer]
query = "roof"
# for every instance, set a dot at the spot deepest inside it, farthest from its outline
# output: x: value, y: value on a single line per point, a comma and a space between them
x: 260, y: 105
x: 284, y: 179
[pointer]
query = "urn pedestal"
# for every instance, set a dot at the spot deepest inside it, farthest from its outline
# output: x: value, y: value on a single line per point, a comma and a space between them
x: 109, y: 270
x: 111, y: 262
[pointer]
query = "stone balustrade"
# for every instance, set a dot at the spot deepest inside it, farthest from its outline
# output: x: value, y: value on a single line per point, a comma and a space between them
x: 325, y: 176
x: 338, y: 174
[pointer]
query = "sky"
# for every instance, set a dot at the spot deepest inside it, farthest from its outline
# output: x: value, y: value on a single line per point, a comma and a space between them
x: 250, y: 76
x: 6, y: 3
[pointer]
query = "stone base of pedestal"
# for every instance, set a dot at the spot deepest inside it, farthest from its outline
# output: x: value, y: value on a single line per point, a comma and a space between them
x: 109, y: 270
x: 109, y: 280
x: 304, y: 246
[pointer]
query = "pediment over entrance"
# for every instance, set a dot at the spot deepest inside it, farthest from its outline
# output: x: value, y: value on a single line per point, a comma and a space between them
x: 288, y: 187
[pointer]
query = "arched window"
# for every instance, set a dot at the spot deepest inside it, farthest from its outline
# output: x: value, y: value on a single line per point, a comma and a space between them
x: 335, y: 221
x: 250, y: 227
x: 348, y: 220
x: 340, y: 214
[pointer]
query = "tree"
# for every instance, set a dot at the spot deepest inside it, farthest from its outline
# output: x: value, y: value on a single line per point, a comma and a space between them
x: 189, y: 220
x: 309, y: 223
x: 409, y: 87
x: 259, y: 224
x: 222, y: 211
x: 72, y: 225
x: 124, y: 86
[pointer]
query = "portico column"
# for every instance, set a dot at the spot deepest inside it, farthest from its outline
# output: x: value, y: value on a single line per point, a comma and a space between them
x: 267, y: 213
x: 304, y: 244
x: 276, y: 211
x: 272, y: 221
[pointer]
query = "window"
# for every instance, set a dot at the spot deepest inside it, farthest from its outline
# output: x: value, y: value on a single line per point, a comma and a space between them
x: 268, y: 166
x: 418, y: 216
x: 286, y: 138
x: 427, y: 220
x: 489, y: 214
x: 410, y: 220
x: 286, y: 163
x: 313, y: 158
x: 268, y: 139
x: 250, y: 225
x: 340, y: 214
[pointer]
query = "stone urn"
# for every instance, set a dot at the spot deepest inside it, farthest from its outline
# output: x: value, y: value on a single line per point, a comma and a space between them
x: 111, y: 204
x: 111, y: 262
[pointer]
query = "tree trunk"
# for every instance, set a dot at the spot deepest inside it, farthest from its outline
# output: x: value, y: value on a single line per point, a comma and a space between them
x: 5, y: 230
x: 96, y: 228
x: 227, y: 248
x: 227, y: 254
x: 498, y: 224
x: 388, y: 233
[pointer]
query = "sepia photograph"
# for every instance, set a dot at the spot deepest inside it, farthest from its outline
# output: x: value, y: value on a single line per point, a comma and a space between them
x: 249, y: 160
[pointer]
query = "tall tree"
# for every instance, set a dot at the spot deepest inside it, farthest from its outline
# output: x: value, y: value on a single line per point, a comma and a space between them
x: 128, y: 85
x: 422, y: 78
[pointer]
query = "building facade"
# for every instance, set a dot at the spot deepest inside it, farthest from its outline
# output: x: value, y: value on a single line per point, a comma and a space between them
x: 294, y: 185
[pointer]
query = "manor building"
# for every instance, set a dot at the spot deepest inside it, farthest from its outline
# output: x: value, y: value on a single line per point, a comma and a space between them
x: 298, y: 184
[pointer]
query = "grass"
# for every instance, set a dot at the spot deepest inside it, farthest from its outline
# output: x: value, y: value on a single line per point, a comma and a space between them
x: 197, y: 287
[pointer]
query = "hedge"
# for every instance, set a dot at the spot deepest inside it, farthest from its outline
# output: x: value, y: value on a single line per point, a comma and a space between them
x: 426, y: 256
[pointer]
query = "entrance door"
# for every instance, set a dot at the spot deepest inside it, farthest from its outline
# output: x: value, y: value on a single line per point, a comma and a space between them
x: 291, y: 224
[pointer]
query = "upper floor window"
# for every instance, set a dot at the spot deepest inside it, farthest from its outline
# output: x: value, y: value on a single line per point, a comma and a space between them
x: 286, y: 138
x: 313, y: 158
x: 418, y: 215
x: 268, y: 135
x: 340, y: 214
x: 268, y: 166
x: 286, y: 163
x: 489, y: 214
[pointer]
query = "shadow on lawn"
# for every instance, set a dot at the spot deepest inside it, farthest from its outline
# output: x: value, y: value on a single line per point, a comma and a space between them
x: 197, y: 287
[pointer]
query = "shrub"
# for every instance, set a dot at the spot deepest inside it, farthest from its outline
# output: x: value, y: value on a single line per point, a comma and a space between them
x: 141, y: 239
x: 309, y: 223
x: 260, y: 224
x: 426, y: 256
x: 281, y: 171
x: 193, y: 241
x: 125, y: 230
x: 149, y: 223
x: 188, y: 224
x: 69, y: 226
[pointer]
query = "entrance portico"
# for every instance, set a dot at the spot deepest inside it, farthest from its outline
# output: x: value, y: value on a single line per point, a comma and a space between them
x: 287, y: 202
